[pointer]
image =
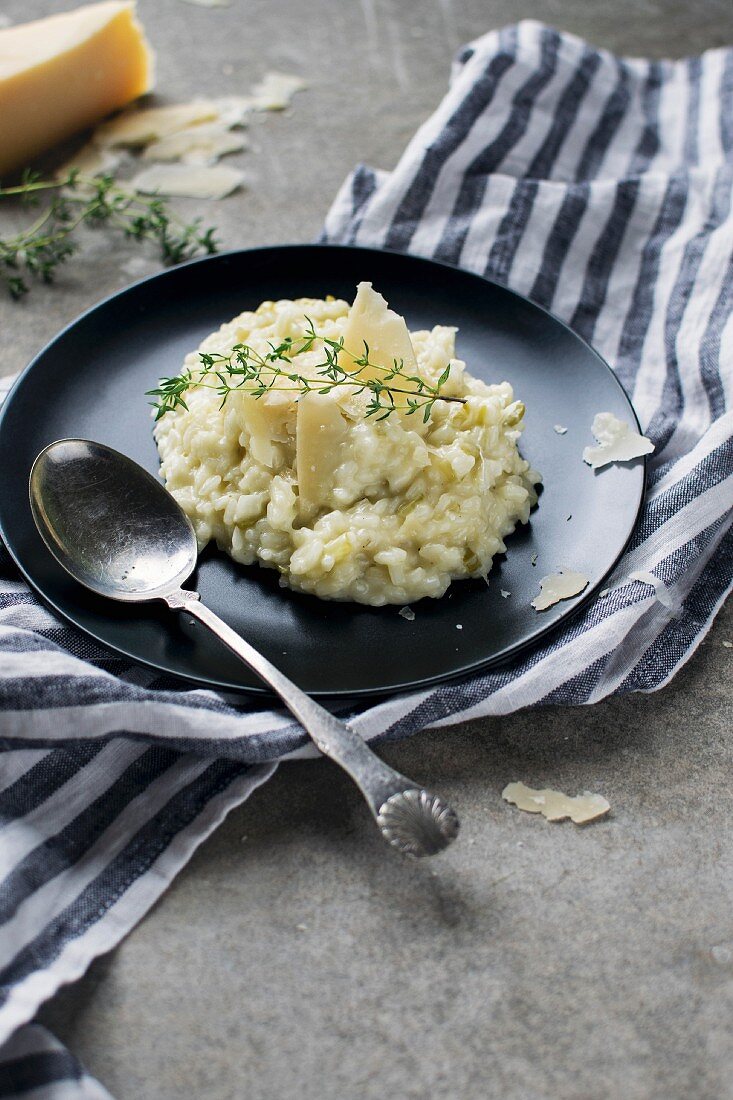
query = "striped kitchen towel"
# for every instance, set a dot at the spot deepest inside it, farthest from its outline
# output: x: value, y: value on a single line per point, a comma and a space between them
x: 601, y: 188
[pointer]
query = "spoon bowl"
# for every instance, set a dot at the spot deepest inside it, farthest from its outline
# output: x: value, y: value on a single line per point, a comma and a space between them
x: 110, y: 523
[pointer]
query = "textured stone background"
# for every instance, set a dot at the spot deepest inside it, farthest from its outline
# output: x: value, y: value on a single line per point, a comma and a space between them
x: 295, y: 957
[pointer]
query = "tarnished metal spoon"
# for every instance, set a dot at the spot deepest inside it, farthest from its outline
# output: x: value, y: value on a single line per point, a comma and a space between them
x: 117, y: 531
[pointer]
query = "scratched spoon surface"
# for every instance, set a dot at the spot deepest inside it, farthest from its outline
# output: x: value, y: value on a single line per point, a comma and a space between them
x: 117, y: 531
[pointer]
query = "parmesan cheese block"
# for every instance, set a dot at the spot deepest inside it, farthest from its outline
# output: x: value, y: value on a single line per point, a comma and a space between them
x: 64, y: 73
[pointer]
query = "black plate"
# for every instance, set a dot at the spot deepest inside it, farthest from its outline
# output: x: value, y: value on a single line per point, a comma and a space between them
x: 91, y: 382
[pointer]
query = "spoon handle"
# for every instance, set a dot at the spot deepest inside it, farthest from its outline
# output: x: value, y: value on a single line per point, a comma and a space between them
x: 411, y: 819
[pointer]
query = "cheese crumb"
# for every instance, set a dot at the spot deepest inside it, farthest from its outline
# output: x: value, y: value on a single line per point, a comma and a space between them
x: 559, y: 429
x: 727, y: 645
x: 407, y: 613
x: 194, y: 181
x: 556, y: 806
x: 559, y: 586
x: 617, y: 442
x: 275, y: 91
x: 504, y: 593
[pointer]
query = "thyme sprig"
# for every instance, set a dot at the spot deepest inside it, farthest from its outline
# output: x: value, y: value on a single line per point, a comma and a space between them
x: 37, y: 251
x: 246, y: 370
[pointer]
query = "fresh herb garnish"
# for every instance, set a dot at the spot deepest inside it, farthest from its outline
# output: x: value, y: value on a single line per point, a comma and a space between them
x: 76, y: 200
x: 249, y: 371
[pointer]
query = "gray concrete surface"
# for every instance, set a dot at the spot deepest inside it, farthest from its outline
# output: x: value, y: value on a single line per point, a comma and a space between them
x: 295, y: 957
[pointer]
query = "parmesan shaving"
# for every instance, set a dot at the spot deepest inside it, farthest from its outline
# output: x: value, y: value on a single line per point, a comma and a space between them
x: 200, y: 144
x: 194, y: 181
x: 559, y: 429
x: 661, y: 592
x: 505, y: 595
x: 90, y: 161
x: 617, y: 442
x: 407, y: 613
x: 137, y: 127
x: 556, y: 806
x: 275, y: 91
x: 233, y: 110
x: 559, y: 586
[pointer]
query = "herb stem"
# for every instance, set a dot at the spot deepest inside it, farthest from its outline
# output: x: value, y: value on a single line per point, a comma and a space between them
x: 77, y: 201
x: 246, y: 370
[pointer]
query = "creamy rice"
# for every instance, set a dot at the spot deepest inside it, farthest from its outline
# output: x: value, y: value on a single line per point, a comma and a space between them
x: 387, y: 511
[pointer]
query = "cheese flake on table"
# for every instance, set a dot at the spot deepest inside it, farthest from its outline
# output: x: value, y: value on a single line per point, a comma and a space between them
x: 90, y: 161
x: 275, y: 91
x: 64, y: 73
x: 559, y: 586
x: 554, y: 805
x: 193, y: 181
x: 617, y: 442
x: 136, y: 128
x: 199, y: 144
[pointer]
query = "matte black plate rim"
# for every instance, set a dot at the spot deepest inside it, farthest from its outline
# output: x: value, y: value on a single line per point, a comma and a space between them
x: 210, y: 682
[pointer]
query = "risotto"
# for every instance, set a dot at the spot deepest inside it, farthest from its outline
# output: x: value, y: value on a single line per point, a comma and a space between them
x: 345, y: 504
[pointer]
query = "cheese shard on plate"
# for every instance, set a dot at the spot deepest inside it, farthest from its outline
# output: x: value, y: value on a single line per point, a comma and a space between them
x: 372, y: 324
x: 193, y: 181
x: 321, y: 438
x: 554, y: 805
x: 64, y: 73
x: 559, y: 586
x: 617, y: 442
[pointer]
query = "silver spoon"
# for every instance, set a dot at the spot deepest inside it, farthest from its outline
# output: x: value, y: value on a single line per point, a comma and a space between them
x: 117, y: 531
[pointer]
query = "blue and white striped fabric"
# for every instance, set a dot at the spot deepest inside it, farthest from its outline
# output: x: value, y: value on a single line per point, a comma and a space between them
x: 602, y: 189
